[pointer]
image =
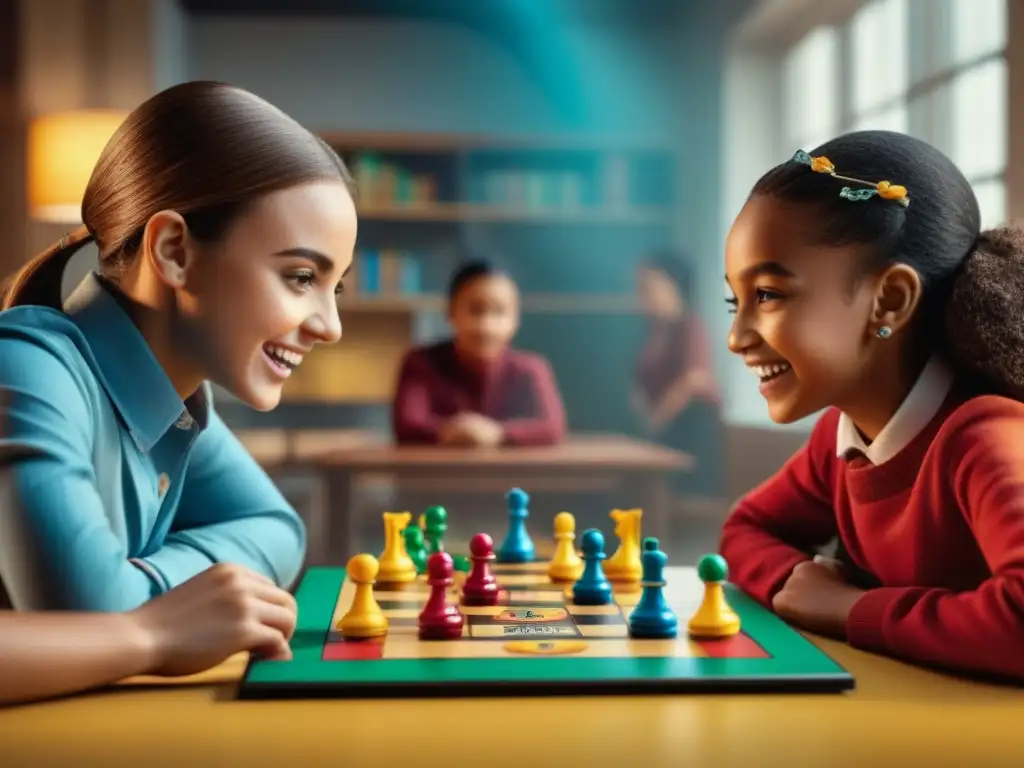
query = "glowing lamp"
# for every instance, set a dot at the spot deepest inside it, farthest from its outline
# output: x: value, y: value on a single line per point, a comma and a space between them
x: 63, y: 148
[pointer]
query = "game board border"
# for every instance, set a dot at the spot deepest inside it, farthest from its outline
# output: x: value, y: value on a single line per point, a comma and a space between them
x: 811, y: 669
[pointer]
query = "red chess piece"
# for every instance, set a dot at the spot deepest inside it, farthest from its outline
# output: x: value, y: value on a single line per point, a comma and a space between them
x: 480, y: 587
x: 439, y: 620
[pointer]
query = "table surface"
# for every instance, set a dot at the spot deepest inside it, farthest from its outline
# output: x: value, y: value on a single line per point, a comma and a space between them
x: 898, y: 714
x: 601, y: 452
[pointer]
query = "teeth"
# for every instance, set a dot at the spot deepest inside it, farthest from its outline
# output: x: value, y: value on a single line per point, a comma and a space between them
x: 764, y: 371
x: 292, y: 358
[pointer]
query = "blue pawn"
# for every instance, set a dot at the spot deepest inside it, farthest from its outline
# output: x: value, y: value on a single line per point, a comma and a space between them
x: 593, y: 588
x: 517, y: 547
x: 652, y: 618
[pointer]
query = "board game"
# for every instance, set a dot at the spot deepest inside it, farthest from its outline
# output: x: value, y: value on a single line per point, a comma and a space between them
x: 533, y: 638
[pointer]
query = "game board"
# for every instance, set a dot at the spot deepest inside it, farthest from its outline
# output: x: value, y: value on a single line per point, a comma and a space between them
x: 534, y: 642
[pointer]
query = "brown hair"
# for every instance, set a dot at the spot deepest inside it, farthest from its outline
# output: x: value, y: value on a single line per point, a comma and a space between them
x: 203, y: 149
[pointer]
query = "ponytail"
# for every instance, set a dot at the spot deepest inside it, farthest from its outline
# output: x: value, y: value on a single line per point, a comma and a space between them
x: 39, y: 281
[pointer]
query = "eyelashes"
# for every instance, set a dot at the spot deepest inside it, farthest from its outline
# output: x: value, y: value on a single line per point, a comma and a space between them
x: 763, y: 295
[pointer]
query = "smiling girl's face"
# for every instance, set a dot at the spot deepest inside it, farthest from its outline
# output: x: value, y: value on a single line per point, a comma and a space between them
x: 258, y: 300
x: 802, y: 320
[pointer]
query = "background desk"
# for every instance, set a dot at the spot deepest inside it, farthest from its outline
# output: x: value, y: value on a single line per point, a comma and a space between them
x: 899, y: 715
x: 637, y: 472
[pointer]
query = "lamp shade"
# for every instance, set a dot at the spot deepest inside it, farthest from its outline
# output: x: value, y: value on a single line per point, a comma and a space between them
x: 63, y: 148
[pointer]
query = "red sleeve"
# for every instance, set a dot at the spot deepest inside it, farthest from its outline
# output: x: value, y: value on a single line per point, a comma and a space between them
x: 547, y: 425
x: 981, y: 631
x: 412, y: 416
x: 780, y: 523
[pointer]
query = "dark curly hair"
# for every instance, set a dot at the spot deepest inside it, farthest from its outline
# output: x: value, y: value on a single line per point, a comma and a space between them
x: 973, y: 282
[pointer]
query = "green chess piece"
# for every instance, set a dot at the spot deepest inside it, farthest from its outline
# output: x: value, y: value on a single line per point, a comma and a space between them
x: 712, y: 569
x: 462, y: 563
x: 416, y: 547
x: 435, y: 525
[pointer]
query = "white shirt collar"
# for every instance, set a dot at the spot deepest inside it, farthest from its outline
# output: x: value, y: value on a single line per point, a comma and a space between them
x: 913, y: 415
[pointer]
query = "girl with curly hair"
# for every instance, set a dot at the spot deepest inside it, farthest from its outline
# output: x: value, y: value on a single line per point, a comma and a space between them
x: 862, y: 285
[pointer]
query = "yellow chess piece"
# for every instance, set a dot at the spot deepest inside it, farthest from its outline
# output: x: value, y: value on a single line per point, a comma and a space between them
x: 396, y: 567
x: 566, y: 565
x: 625, y: 565
x: 364, y: 617
x: 715, y: 617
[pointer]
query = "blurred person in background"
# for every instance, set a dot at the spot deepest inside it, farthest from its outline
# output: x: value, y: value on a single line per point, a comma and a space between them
x: 474, y: 389
x: 675, y: 396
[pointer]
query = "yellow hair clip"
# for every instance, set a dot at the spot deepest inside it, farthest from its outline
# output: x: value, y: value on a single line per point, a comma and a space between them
x: 884, y: 189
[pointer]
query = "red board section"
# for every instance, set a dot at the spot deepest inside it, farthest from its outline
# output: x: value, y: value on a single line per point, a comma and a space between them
x: 739, y: 646
x: 355, y: 650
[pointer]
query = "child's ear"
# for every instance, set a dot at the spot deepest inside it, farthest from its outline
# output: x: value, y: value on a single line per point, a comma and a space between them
x: 897, y: 296
x: 165, y: 243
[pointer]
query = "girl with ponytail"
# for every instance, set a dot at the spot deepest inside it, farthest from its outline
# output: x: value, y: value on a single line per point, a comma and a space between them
x: 224, y: 229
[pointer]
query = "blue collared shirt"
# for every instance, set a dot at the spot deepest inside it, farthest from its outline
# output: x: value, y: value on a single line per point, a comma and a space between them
x: 115, y: 489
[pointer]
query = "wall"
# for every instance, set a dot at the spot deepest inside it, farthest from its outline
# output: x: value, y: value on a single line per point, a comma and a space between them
x: 111, y: 53
x: 396, y: 74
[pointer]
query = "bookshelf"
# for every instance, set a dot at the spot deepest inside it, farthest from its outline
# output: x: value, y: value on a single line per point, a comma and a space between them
x: 567, y: 216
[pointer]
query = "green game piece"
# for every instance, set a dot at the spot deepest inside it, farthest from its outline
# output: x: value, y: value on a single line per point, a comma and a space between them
x: 415, y: 547
x: 461, y: 563
x: 712, y: 568
x: 435, y: 523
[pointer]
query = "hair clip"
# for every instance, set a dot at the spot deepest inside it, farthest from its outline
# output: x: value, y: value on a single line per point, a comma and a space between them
x: 884, y: 189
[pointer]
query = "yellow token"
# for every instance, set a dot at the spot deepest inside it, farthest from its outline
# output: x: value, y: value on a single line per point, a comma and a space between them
x: 546, y: 647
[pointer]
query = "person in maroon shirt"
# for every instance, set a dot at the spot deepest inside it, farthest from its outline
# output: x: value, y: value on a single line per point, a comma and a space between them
x: 474, y: 389
x: 675, y: 396
x: 863, y: 286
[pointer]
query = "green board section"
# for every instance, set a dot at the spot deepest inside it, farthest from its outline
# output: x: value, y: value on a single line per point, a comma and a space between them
x: 794, y: 664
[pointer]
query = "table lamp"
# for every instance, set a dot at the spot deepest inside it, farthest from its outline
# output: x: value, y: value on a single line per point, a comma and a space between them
x: 63, y: 148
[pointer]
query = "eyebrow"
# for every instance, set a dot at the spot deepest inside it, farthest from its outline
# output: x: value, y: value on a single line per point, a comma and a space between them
x: 322, y: 260
x: 773, y: 268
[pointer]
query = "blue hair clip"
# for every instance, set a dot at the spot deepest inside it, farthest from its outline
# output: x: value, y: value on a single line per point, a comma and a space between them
x: 883, y: 189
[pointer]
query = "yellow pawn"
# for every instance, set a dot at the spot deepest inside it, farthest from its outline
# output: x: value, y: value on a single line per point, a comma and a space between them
x: 625, y: 565
x: 396, y: 567
x: 364, y: 617
x: 715, y: 617
x: 566, y: 565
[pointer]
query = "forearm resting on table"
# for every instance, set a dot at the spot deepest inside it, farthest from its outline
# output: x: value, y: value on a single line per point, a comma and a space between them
x: 51, y: 654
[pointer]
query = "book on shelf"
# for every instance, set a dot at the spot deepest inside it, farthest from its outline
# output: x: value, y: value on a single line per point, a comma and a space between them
x: 386, y: 272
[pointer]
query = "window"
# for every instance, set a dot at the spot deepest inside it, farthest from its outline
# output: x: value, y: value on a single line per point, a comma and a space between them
x: 878, y: 54
x: 992, y: 202
x: 979, y: 27
x: 812, y: 99
x: 978, y: 107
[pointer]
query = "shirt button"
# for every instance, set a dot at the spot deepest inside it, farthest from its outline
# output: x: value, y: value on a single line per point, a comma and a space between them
x: 163, y: 483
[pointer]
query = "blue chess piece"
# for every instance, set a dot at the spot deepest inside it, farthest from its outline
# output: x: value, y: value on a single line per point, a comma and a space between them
x: 593, y: 587
x: 652, y: 618
x: 517, y: 547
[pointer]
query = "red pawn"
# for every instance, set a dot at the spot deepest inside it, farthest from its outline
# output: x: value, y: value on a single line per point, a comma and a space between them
x: 480, y: 588
x: 438, y: 619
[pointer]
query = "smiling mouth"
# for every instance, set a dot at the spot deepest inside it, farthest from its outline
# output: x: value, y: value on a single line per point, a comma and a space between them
x: 768, y: 372
x: 283, y: 360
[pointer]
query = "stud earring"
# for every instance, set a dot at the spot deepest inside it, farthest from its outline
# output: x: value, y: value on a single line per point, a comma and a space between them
x: 884, y: 332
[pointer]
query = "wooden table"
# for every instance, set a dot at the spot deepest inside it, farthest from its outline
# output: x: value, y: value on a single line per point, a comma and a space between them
x: 898, y: 715
x: 583, y: 463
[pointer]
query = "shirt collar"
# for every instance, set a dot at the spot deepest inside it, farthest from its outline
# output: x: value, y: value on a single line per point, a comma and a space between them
x: 127, y: 369
x: 914, y: 414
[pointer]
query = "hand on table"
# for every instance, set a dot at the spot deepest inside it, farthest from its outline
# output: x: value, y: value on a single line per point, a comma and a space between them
x: 472, y: 429
x: 817, y: 597
x: 224, y: 610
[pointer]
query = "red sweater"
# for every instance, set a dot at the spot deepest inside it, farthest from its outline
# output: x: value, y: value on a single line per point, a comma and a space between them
x: 939, y: 528
x: 520, y: 392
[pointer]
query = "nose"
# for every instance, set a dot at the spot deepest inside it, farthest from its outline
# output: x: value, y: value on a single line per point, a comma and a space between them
x: 742, y: 335
x: 324, y: 325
